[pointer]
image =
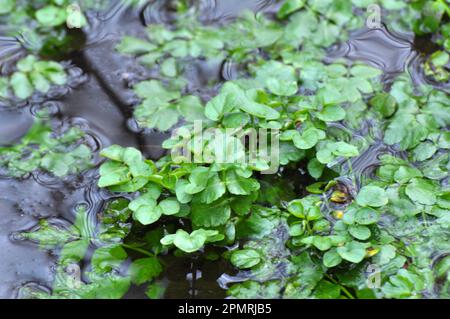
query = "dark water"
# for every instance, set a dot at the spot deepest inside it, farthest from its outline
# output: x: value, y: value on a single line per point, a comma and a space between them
x: 100, y: 101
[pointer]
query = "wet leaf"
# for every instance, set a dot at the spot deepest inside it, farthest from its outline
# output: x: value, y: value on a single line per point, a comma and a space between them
x: 245, y: 258
x: 421, y: 191
x: 372, y: 196
x: 144, y: 269
x: 352, y: 251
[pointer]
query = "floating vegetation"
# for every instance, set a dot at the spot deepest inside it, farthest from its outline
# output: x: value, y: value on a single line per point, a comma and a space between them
x: 308, y: 172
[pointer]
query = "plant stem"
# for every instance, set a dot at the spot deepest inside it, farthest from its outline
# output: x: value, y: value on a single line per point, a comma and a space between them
x: 345, y: 290
x: 140, y: 250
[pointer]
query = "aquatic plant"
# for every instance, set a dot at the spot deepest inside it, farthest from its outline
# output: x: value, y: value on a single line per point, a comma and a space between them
x: 374, y: 159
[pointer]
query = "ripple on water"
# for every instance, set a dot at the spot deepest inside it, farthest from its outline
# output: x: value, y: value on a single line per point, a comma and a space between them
x: 382, y: 48
x: 11, y: 50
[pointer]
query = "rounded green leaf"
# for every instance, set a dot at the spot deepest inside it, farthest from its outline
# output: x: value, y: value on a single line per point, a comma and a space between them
x: 210, y: 215
x: 245, y: 258
x: 147, y: 215
x: 6, y: 6
x: 372, y: 196
x: 383, y: 103
x: 366, y: 216
x: 135, y: 46
x: 21, y: 85
x: 51, y: 16
x: 295, y: 207
x: 307, y: 139
x: 331, y: 258
x: 322, y: 243
x: 352, y: 251
x: 359, y: 232
x: 144, y: 269
x: 169, y: 206
x: 190, y: 243
x: 331, y: 113
x: 421, y: 191
x: 279, y: 78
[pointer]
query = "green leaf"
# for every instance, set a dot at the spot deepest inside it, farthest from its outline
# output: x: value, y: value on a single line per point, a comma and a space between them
x: 359, y: 232
x: 295, y: 207
x: 26, y: 64
x: 160, y: 116
x: 51, y: 16
x: 147, y: 214
x: 439, y: 58
x: 372, y: 196
x: 212, y: 215
x: 169, y: 206
x: 191, y: 108
x: 114, y: 152
x: 421, y: 191
x: 444, y: 200
x: 235, y: 120
x: 315, y: 168
x: 296, y: 229
x: 197, y: 180
x: 189, y: 243
x: 404, y: 284
x: 245, y: 258
x: 215, y: 189
x: 384, y: 103
x: 331, y: 258
x: 366, y: 216
x: 331, y: 113
x: 180, y: 189
x: 113, y: 173
x: 353, y: 252
x: 108, y: 258
x: 280, y: 79
x: 289, y: 6
x: 134, y: 46
x: 128, y: 172
x: 365, y: 71
x: 322, y: 243
x: 169, y: 67
x: 156, y: 290
x: 245, y: 100
x: 218, y: 106
x: 405, y: 130
x: 75, y: 250
x: 7, y: 6
x: 308, y: 139
x: 21, y: 85
x: 327, y: 290
x: 144, y: 269
x: 345, y: 149
x: 40, y: 82
x: 75, y: 18
x: 405, y: 173
x: 239, y: 185
x: 424, y: 151
x: 155, y: 91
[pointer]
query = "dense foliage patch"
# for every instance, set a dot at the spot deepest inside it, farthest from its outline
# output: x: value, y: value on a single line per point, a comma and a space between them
x: 371, y: 219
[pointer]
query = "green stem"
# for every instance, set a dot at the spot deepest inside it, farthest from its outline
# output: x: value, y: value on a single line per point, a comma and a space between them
x: 424, y: 216
x: 345, y: 290
x: 140, y: 250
